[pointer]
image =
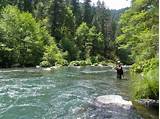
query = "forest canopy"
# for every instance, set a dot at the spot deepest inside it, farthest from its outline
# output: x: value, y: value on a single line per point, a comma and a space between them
x: 56, y: 32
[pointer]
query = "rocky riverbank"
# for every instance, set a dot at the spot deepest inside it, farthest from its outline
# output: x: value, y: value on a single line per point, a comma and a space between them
x: 149, y: 103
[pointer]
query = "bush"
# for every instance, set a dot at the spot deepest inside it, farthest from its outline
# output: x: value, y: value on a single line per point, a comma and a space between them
x: 23, y: 40
x: 96, y: 59
x: 45, y: 64
x: 145, y: 66
x: 65, y: 63
x: 145, y: 85
x: 124, y: 54
x: 80, y: 63
x: 53, y: 55
x: 74, y: 63
x: 88, y: 62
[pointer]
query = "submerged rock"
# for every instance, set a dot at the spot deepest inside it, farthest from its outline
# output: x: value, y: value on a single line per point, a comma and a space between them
x: 150, y: 103
x: 113, y: 101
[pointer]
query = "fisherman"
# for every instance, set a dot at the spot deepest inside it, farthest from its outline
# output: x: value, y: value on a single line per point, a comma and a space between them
x: 119, y: 70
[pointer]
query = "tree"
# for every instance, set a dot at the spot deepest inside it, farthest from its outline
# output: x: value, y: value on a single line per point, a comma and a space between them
x: 76, y: 11
x: 60, y: 16
x: 89, y: 41
x: 22, y: 38
x: 87, y: 13
x: 68, y: 45
x: 139, y: 42
x: 139, y: 27
x: 25, y: 5
x: 52, y: 55
x: 103, y: 22
x: 41, y: 8
x: 81, y: 38
x: 97, y: 41
x: 57, y: 13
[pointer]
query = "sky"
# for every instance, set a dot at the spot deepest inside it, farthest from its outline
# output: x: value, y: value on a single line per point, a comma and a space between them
x: 114, y: 4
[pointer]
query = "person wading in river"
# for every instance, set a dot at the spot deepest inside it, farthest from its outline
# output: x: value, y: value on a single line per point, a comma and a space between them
x: 119, y: 70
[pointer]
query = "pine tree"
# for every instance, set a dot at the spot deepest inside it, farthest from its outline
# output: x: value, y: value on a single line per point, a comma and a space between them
x: 76, y: 11
x: 102, y: 20
x: 57, y: 14
x: 87, y: 14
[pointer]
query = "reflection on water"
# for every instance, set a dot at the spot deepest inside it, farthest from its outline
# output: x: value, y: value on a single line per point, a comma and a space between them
x: 65, y: 93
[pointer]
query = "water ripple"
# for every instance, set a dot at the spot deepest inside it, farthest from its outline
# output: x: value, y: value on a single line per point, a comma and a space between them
x: 66, y: 93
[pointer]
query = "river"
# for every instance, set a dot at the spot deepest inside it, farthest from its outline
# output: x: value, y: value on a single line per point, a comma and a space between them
x: 63, y: 93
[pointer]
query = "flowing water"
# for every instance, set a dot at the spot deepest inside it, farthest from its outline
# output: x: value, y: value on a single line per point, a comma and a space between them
x: 64, y: 93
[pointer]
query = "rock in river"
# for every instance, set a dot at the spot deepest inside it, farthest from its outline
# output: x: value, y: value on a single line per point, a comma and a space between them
x: 113, y: 107
x: 150, y: 103
x: 113, y: 100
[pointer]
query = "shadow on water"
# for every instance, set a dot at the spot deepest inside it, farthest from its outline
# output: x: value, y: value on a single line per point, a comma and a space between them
x: 64, y: 93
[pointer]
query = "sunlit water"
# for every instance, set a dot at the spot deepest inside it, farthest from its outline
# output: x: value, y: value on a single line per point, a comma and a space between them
x: 64, y: 93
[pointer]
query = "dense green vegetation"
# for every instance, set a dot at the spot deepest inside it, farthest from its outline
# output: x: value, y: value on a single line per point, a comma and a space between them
x: 64, y: 32
x: 23, y: 39
x: 138, y: 44
x: 55, y: 32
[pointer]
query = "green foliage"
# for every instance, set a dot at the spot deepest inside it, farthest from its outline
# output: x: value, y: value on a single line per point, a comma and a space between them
x: 75, y: 6
x: 139, y: 30
x: 40, y: 8
x: 23, y: 35
x: 89, y: 41
x: 23, y: 39
x: 68, y: 45
x: 52, y: 55
x: 87, y: 16
x: 60, y: 16
x: 146, y: 85
x: 97, y: 58
x: 138, y: 43
x: 145, y: 66
x: 97, y: 40
x: 25, y: 5
x: 82, y: 41
x: 103, y: 22
x: 45, y: 64
x: 124, y: 53
x: 80, y: 63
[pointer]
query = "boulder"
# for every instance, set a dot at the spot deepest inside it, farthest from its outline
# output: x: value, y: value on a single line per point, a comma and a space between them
x: 112, y: 107
x: 113, y: 100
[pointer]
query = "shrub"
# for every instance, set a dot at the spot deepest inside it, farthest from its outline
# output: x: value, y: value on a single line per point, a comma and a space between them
x: 80, y: 63
x: 45, y: 64
x: 96, y: 59
x: 145, y: 85
x: 53, y: 55
x: 88, y: 62
x: 145, y: 66
x: 25, y: 40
